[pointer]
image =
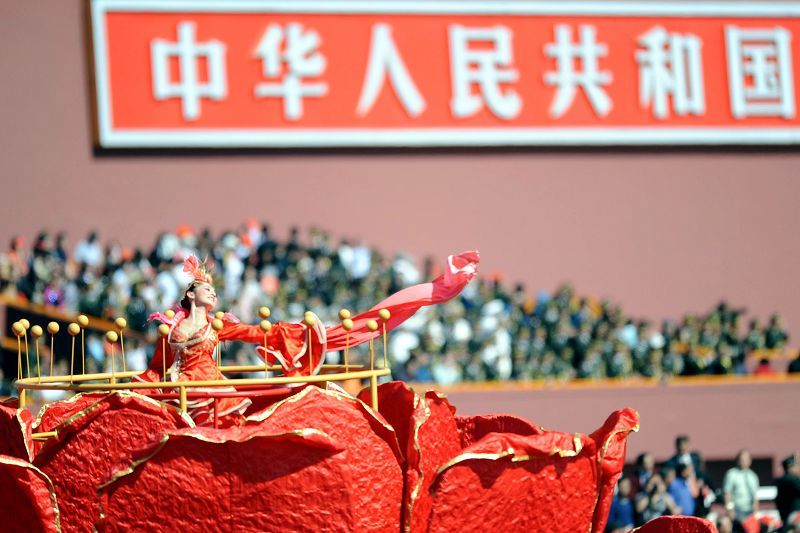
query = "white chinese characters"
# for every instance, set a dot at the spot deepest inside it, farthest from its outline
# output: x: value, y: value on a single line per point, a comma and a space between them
x: 385, y: 60
x: 568, y: 79
x: 760, y: 72
x: 671, y: 64
x: 188, y: 88
x: 291, y: 52
x: 484, y: 67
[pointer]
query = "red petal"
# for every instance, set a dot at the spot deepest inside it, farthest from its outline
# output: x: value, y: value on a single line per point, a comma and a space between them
x: 474, y: 428
x: 28, y: 500
x: 15, y: 432
x: 92, y: 442
x: 677, y: 524
x: 236, y: 479
x: 372, y: 470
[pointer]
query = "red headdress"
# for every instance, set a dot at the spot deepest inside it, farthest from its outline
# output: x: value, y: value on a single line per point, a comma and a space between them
x: 197, y: 270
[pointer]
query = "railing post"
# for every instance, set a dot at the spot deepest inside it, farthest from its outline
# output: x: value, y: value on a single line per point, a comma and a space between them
x: 373, y: 389
x: 182, y: 392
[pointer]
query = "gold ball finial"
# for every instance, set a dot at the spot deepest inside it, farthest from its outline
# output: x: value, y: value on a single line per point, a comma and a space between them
x: 18, y: 329
x: 372, y: 325
x: 112, y: 337
x: 169, y: 313
x: 265, y: 325
x: 121, y: 323
x: 83, y: 320
x: 347, y: 324
x: 52, y: 328
x: 36, y: 331
x: 73, y: 329
x: 343, y: 314
x: 163, y: 330
x: 219, y: 314
x: 264, y: 312
x: 384, y: 314
x: 309, y: 318
x: 217, y: 324
x: 25, y: 323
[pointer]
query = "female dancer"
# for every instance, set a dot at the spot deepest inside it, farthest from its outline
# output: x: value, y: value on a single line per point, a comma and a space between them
x: 191, y: 342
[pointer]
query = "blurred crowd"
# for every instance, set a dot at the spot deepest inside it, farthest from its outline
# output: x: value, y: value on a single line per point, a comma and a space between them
x: 490, y: 332
x: 681, y: 485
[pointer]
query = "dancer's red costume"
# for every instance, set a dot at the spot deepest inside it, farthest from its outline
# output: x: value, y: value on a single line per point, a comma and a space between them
x: 191, y: 357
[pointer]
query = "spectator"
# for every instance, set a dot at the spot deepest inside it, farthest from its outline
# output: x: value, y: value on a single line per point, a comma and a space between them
x: 655, y: 501
x: 684, y: 456
x: 740, y: 487
x: 683, y: 488
x: 764, y: 368
x: 794, y: 366
x: 88, y: 251
x: 787, y: 500
x: 620, y: 516
x: 645, y: 469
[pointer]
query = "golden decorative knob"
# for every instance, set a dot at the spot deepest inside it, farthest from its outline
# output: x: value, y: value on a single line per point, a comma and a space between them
x: 265, y: 325
x: 25, y: 323
x: 83, y: 320
x: 18, y: 329
x: 36, y: 331
x: 344, y: 313
x: 309, y: 318
x: 384, y: 314
x: 347, y: 324
x: 52, y: 328
x: 219, y: 314
x: 169, y: 313
x: 121, y: 323
x: 112, y: 337
x: 163, y: 330
x: 372, y: 325
x: 217, y: 324
x: 264, y: 312
x: 73, y: 329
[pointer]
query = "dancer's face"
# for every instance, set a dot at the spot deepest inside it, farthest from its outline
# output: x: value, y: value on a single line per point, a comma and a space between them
x: 203, y: 295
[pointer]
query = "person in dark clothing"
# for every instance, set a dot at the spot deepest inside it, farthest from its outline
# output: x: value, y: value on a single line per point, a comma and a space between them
x: 794, y: 366
x: 620, y: 515
x: 684, y: 456
x: 788, y: 498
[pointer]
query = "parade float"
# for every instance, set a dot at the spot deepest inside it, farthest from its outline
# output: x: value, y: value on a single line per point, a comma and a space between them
x: 290, y: 450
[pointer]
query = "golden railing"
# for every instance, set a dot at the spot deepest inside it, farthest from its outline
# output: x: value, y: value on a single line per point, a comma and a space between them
x: 110, y: 381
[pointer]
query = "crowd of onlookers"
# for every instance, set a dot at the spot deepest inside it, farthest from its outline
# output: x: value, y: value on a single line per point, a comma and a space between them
x: 490, y: 332
x: 681, y: 485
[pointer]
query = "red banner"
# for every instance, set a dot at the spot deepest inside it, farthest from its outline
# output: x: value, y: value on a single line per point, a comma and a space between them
x: 260, y: 73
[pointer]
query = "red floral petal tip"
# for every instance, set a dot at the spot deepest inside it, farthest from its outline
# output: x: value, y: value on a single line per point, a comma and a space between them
x: 677, y: 524
x: 474, y: 428
x: 29, y: 502
x: 15, y: 432
x: 236, y: 479
x: 435, y: 440
x: 611, y: 440
x: 397, y: 404
x: 98, y: 433
x: 372, y: 459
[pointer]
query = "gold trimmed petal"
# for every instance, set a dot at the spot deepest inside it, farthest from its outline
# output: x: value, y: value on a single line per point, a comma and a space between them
x: 53, y: 500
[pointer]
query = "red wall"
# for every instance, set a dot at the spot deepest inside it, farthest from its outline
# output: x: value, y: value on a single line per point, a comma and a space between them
x: 662, y: 232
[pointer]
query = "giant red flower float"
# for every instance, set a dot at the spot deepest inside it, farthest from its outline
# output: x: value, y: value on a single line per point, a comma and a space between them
x: 319, y: 459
